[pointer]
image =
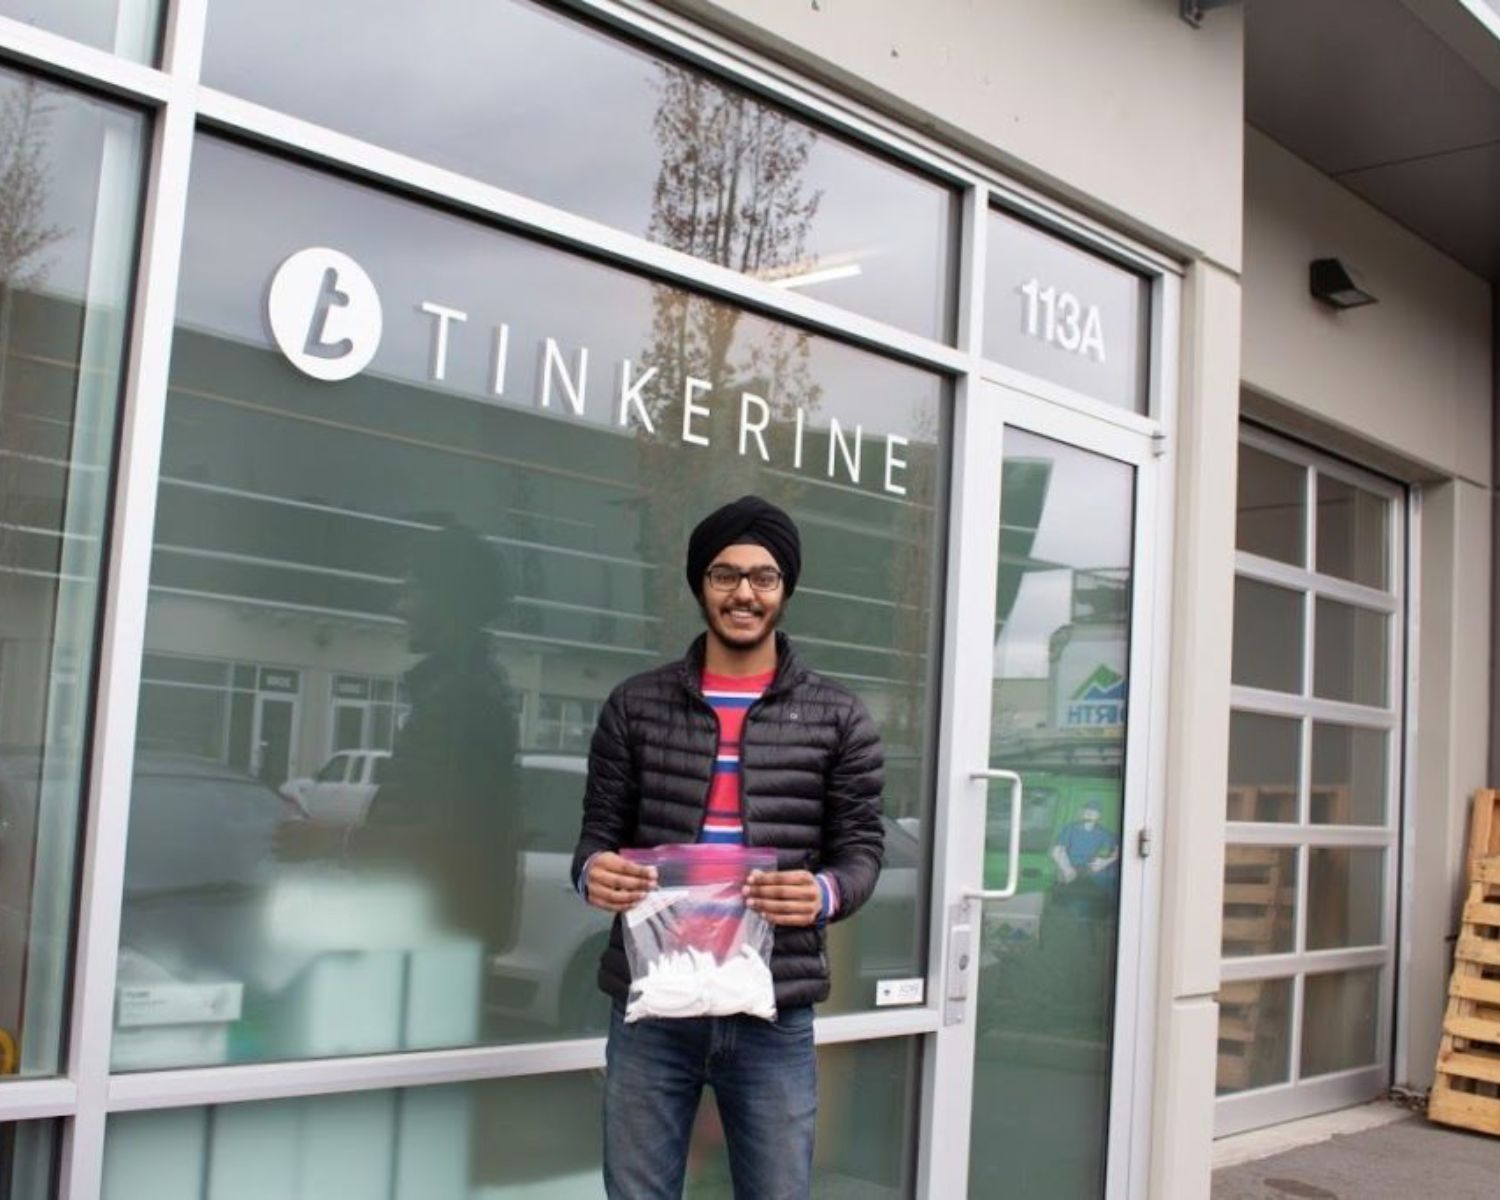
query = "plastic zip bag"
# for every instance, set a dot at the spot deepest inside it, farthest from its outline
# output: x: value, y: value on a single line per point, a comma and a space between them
x: 695, y: 949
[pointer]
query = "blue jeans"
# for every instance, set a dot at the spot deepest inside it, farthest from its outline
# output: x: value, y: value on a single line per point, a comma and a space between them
x: 765, y: 1081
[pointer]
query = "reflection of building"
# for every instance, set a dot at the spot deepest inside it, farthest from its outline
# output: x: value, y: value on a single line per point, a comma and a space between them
x: 1086, y: 471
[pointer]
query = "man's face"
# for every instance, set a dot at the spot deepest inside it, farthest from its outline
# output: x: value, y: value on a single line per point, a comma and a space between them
x: 742, y: 618
x: 1090, y: 817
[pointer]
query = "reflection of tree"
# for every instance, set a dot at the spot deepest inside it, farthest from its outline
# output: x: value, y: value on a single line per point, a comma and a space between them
x: 729, y: 190
x: 25, y: 236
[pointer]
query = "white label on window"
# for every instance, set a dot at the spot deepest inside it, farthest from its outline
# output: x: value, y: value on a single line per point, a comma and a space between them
x: 889, y: 992
x: 179, y: 1003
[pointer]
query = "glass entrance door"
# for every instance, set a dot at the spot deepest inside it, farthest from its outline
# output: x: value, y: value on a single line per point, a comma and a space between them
x: 1046, y: 805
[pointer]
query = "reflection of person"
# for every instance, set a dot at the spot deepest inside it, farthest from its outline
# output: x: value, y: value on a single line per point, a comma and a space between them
x: 665, y: 766
x: 446, y: 809
x: 1086, y: 851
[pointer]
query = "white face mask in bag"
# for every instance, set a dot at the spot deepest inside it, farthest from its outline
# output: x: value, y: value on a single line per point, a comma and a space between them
x: 694, y: 947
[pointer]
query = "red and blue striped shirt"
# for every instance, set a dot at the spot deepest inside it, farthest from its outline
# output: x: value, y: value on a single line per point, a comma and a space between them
x: 731, y: 697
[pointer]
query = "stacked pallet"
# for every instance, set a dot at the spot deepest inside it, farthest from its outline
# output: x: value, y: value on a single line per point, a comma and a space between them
x: 1466, y: 1090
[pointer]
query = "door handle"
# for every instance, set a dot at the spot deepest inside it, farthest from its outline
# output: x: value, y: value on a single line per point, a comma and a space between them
x: 1013, y: 857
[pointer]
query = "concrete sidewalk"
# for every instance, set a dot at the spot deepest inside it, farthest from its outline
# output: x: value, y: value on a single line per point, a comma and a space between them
x: 1406, y: 1158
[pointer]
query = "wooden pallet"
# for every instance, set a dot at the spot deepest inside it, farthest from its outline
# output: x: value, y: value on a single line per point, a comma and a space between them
x: 1466, y: 1089
x: 1250, y: 1026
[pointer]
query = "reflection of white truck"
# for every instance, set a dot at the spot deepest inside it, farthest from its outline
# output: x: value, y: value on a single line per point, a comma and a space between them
x: 341, y: 791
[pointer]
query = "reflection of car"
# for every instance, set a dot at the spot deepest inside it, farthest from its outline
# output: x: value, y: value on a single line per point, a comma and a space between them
x: 197, y: 866
x: 547, y: 973
x: 341, y: 791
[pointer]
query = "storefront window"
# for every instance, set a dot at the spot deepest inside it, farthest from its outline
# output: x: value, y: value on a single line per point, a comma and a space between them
x: 69, y: 187
x: 127, y: 27
x: 543, y: 104
x: 492, y: 509
x: 533, y: 1136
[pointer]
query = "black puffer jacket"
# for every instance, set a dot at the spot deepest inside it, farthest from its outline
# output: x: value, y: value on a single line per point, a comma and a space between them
x: 812, y: 772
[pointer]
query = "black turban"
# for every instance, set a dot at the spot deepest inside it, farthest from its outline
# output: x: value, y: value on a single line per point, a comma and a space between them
x: 747, y: 521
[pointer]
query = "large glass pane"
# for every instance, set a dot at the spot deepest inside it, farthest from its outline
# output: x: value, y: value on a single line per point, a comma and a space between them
x: 480, y: 514
x: 1060, y: 696
x: 126, y: 27
x: 68, y: 213
x: 1263, y: 767
x: 1255, y: 1034
x: 1267, y: 636
x: 1350, y: 775
x: 1345, y: 897
x: 513, y: 93
x: 1352, y: 658
x: 28, y: 1160
x: 535, y: 1136
x: 1354, y: 535
x: 1260, y: 901
x: 1271, y: 512
x: 1066, y: 314
x: 1340, y: 1020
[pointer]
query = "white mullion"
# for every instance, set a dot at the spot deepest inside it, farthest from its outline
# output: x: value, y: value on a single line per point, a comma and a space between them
x: 1058, y: 394
x: 123, y: 626
x: 1294, y: 1034
x: 1253, y: 833
x: 1312, y: 962
x: 195, y: 1086
x: 1287, y: 704
x: 1268, y: 570
x: 99, y: 69
x: 973, y: 257
x: 307, y: 141
x: 37, y: 1099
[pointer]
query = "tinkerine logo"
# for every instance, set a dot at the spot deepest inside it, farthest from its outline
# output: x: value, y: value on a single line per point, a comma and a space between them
x: 324, y: 314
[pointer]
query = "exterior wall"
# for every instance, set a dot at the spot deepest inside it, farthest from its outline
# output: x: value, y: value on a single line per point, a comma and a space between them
x: 1410, y: 375
x: 1139, y: 87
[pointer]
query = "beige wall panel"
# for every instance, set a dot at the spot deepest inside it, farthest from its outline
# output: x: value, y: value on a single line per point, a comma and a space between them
x: 1182, y: 1118
x: 1202, y: 607
x: 1451, y: 741
x: 1412, y: 373
x: 1116, y: 104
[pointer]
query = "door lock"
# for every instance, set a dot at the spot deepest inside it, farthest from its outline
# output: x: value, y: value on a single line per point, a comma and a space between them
x: 960, y: 965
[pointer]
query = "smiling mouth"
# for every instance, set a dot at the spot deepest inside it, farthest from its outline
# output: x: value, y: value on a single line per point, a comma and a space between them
x: 743, y: 616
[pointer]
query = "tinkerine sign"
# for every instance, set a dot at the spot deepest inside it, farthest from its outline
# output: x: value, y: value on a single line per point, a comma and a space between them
x: 325, y: 315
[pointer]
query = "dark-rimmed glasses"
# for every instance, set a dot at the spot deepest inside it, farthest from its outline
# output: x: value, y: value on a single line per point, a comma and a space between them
x: 724, y: 578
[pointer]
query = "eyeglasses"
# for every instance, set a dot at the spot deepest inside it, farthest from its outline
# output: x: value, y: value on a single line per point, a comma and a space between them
x: 723, y: 578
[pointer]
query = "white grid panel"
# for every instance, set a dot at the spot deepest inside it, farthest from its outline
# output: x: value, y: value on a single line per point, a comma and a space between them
x: 1296, y: 1096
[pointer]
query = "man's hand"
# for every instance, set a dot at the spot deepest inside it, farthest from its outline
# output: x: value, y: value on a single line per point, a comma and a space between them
x: 615, y: 884
x: 784, y: 897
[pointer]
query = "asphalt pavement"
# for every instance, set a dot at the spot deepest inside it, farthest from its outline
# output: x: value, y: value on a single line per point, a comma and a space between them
x: 1410, y: 1159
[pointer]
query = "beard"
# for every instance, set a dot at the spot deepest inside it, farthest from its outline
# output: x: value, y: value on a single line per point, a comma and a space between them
x: 715, y: 617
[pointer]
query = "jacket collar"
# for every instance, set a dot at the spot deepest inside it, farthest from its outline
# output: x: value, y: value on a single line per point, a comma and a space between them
x: 789, y: 668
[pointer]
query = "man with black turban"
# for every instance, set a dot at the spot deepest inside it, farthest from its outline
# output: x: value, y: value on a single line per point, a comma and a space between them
x: 736, y: 743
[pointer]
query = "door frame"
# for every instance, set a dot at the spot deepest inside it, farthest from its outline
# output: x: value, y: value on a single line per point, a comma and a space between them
x: 985, y: 409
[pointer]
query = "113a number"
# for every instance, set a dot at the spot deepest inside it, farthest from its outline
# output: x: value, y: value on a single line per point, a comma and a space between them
x: 1060, y: 319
